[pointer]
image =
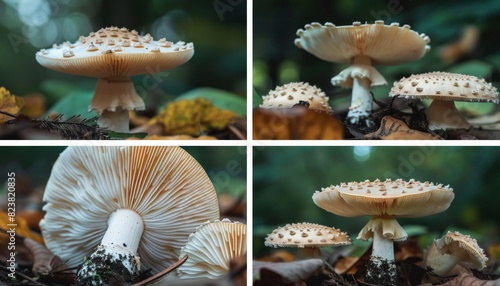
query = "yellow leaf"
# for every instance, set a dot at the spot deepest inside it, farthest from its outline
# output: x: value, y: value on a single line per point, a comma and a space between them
x: 192, y: 117
x: 9, y: 103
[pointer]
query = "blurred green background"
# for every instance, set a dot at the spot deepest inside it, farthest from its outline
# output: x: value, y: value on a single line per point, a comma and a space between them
x: 285, y: 178
x: 226, y: 167
x: 218, y: 34
x: 278, y: 61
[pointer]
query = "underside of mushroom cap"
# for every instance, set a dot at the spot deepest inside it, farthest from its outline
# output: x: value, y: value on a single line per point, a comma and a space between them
x: 210, y: 249
x: 114, y: 52
x: 164, y: 185
x: 384, y: 44
x: 463, y: 246
x: 446, y: 87
x: 396, y: 198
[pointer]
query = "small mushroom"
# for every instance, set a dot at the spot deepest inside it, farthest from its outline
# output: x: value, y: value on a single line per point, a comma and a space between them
x: 384, y: 201
x: 115, y: 95
x: 291, y: 94
x: 445, y: 88
x: 308, y: 238
x: 124, y: 207
x: 362, y: 46
x: 452, y: 249
x: 211, y: 248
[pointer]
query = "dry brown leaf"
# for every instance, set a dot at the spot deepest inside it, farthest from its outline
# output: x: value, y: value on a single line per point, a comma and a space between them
x: 45, y: 261
x: 296, y: 124
x: 21, y: 229
x: 9, y: 103
x: 34, y: 106
x: 395, y: 129
x: 344, y: 264
x: 464, y: 279
x: 289, y: 272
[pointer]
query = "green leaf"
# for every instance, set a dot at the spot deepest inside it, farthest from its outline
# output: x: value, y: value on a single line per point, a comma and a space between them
x: 220, y: 99
x: 74, y: 103
x: 475, y: 68
x: 256, y: 99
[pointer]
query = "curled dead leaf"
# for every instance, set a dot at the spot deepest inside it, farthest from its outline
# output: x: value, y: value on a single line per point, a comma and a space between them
x: 395, y: 129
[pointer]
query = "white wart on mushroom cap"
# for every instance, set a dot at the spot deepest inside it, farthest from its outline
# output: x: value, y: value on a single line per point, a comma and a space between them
x: 164, y: 186
x: 290, y: 94
x: 361, y: 46
x: 114, y: 55
x: 385, y: 200
x: 306, y: 235
x: 445, y: 88
x: 210, y: 249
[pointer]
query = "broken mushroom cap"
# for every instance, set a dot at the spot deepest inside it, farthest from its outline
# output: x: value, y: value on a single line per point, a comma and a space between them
x: 385, y: 200
x: 445, y: 88
x: 210, y: 249
x: 113, y: 55
x: 290, y: 94
x: 464, y: 248
x: 361, y: 46
x: 162, y: 189
x: 306, y: 235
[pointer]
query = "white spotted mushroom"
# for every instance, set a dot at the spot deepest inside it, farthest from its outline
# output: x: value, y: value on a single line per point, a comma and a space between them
x: 291, y: 94
x: 113, y: 55
x: 444, y: 89
x: 361, y: 46
x: 307, y: 237
x: 384, y: 201
x: 126, y: 208
x: 452, y: 249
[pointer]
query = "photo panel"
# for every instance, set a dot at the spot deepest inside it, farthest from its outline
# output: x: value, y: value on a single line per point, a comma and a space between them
x: 386, y: 215
x: 394, y: 70
x: 123, y: 214
x: 123, y: 69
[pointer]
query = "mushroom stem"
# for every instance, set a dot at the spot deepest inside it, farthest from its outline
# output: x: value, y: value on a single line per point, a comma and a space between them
x: 115, y: 94
x: 361, y: 101
x: 116, y: 255
x: 382, y: 247
x: 308, y: 253
x: 443, y: 114
x: 125, y: 229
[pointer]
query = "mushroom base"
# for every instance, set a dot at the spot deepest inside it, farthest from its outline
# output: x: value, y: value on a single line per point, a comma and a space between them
x: 360, y: 110
x: 117, y: 121
x: 380, y: 271
x: 106, y: 267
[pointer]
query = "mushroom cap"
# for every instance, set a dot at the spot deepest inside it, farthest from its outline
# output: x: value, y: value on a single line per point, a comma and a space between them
x: 115, y: 52
x: 290, y: 94
x: 210, y: 249
x: 385, y: 198
x: 384, y: 44
x: 445, y: 86
x: 463, y: 246
x: 165, y: 185
x: 306, y: 235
